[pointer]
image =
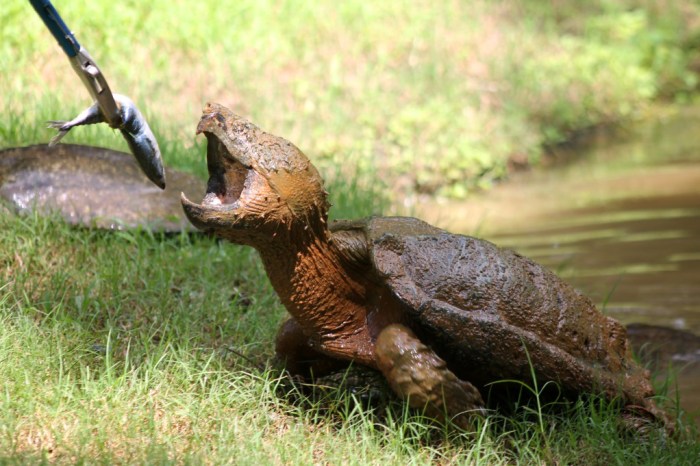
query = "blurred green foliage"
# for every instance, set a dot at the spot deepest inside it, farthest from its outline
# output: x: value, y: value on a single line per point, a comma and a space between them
x: 435, y: 97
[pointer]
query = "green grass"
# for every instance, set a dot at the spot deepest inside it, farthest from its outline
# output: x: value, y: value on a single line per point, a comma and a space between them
x: 115, y: 348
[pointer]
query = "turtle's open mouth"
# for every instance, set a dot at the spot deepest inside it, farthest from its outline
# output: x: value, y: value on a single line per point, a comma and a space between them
x: 228, y: 177
x: 230, y: 184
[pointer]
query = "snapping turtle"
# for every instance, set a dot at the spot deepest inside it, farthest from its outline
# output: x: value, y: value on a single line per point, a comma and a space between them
x: 440, y: 315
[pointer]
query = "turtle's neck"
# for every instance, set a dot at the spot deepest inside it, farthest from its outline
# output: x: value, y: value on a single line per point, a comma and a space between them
x: 327, y: 300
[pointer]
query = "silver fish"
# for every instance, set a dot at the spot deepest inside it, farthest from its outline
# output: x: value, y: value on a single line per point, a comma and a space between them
x: 135, y: 130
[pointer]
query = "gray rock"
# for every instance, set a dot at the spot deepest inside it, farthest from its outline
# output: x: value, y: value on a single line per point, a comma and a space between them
x: 92, y: 187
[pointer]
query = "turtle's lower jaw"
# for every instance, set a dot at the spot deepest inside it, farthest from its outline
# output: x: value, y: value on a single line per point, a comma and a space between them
x: 220, y: 207
x: 207, y: 216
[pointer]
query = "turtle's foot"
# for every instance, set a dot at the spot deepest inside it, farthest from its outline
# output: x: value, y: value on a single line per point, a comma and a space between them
x: 314, y: 378
x: 647, y: 418
x: 294, y: 352
x: 366, y: 385
x: 421, y: 377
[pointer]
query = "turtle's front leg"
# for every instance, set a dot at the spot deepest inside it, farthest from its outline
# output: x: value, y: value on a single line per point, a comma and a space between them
x: 295, y: 353
x: 421, y: 377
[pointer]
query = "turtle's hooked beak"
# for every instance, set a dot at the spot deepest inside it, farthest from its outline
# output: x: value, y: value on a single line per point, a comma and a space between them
x: 227, y: 180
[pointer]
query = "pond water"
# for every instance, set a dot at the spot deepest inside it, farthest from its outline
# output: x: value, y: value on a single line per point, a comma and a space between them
x: 618, y: 217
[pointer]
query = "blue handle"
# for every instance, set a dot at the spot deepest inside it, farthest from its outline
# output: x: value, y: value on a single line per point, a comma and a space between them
x: 58, y: 28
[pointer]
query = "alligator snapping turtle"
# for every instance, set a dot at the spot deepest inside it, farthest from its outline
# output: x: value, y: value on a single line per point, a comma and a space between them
x: 440, y: 315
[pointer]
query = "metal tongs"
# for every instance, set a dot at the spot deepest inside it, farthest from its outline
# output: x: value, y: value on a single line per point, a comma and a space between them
x: 116, y: 110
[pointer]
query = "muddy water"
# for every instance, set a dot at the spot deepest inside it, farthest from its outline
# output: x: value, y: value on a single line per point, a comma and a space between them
x: 618, y: 218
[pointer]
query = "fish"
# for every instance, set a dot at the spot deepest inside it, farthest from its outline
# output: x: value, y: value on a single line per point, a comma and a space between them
x: 134, y: 129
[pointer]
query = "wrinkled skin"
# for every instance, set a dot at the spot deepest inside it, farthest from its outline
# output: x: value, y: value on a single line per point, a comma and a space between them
x: 440, y: 315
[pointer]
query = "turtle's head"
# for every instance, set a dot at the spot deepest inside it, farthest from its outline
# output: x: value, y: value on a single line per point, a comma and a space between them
x: 260, y: 185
